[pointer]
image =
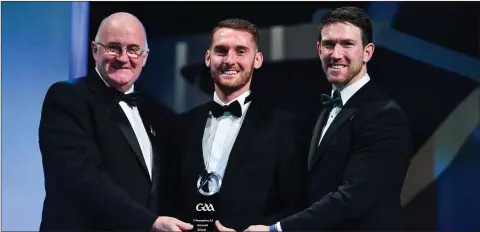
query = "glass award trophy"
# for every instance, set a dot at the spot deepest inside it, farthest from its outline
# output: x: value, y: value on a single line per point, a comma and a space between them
x: 208, y: 185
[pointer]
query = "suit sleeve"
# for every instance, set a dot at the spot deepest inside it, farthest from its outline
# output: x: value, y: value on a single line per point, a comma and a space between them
x: 377, y: 164
x: 73, y: 165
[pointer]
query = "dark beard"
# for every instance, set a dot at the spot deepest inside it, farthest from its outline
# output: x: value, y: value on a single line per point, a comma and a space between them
x: 227, y: 90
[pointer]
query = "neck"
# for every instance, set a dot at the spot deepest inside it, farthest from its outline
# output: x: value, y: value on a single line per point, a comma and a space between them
x: 357, y: 77
x: 227, y: 97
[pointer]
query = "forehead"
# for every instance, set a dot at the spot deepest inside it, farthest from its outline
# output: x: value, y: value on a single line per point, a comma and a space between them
x: 123, y: 32
x: 341, y: 31
x: 232, y: 37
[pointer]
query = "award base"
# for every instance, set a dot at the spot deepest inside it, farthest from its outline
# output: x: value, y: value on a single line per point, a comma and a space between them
x: 204, y: 218
x: 204, y: 224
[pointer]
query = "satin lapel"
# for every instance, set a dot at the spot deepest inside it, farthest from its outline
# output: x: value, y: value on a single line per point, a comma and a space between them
x: 154, y: 140
x: 193, y: 160
x: 106, y: 97
x: 317, y: 132
x: 247, y: 132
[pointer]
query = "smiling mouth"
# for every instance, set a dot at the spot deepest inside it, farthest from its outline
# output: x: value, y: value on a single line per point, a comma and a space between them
x: 229, y: 72
x: 337, y: 66
x: 119, y: 68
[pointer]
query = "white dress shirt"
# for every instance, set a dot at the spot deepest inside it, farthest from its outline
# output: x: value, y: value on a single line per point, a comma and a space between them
x: 137, y: 125
x: 220, y: 134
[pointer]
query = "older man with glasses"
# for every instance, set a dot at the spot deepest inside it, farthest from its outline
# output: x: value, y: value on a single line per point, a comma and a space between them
x: 101, y: 141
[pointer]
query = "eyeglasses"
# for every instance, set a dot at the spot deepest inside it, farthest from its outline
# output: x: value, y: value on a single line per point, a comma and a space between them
x: 133, y: 51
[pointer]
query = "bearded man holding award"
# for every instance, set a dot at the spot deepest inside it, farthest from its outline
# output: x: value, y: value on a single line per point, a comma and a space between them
x: 235, y: 160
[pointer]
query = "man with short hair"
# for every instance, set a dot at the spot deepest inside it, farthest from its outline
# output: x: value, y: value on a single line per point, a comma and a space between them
x: 248, y: 145
x: 101, y: 142
x: 361, y: 144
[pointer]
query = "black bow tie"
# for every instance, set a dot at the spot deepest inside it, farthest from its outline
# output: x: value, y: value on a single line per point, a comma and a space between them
x: 130, y: 99
x: 334, y: 101
x: 234, y: 108
x: 218, y: 110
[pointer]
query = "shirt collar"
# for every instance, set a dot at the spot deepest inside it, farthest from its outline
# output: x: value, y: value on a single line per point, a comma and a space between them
x: 350, y: 90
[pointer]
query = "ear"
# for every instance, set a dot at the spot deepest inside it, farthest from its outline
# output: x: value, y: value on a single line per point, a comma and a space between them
x: 207, y: 58
x: 258, y: 60
x: 94, y: 50
x: 145, y: 57
x: 319, y: 48
x: 368, y: 52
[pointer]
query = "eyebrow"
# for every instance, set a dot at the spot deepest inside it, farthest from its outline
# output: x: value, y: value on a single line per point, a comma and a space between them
x: 338, y: 41
x: 117, y: 43
x: 236, y: 47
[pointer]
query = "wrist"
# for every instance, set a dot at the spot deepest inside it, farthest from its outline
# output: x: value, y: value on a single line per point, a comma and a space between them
x: 272, y: 228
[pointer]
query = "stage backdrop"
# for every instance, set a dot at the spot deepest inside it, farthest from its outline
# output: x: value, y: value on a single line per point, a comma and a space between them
x: 37, y: 50
x: 419, y: 61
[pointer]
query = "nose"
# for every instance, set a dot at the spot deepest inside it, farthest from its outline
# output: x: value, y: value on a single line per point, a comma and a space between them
x: 123, y: 57
x: 229, y: 58
x: 337, y: 52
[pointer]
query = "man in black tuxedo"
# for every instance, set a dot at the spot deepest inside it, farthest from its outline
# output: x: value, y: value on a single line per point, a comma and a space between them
x: 361, y: 144
x: 249, y: 145
x: 101, y: 144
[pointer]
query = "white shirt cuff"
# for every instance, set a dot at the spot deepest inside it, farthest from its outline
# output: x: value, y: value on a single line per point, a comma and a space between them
x: 279, y: 228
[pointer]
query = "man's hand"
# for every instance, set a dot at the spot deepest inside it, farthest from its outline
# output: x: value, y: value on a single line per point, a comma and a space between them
x: 170, y: 224
x: 258, y: 228
x: 222, y: 228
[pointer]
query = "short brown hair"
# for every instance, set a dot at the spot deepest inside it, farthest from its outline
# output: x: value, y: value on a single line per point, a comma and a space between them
x: 353, y: 15
x: 238, y: 24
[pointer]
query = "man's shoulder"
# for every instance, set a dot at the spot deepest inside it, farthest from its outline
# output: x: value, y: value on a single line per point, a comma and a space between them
x: 378, y: 104
x: 195, y: 111
x: 154, y: 108
x: 374, y: 98
x: 268, y: 110
x: 66, y: 88
x: 70, y: 83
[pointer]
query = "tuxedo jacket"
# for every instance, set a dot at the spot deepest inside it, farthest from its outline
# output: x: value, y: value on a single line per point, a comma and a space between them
x: 355, y: 175
x: 95, y: 173
x: 262, y: 181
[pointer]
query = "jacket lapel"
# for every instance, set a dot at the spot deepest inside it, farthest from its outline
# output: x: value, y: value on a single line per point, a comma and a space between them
x: 249, y: 127
x: 152, y: 135
x: 193, y: 160
x: 106, y: 97
x: 317, y: 132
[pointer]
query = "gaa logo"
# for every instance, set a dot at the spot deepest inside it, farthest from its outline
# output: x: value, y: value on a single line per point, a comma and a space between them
x: 204, y: 207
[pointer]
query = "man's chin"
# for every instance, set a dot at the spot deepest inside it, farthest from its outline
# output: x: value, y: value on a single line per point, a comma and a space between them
x: 228, y: 87
x: 121, y: 80
x: 336, y: 80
